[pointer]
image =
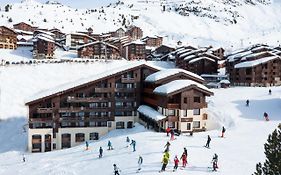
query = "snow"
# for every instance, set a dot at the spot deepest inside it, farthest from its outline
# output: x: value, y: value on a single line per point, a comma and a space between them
x: 151, y: 113
x: 176, y: 85
x: 201, y: 58
x: 169, y: 72
x: 225, y: 81
x: 246, y: 132
x: 255, y: 62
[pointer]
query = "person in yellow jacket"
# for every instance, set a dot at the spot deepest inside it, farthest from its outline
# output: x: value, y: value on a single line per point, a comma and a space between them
x: 165, y: 162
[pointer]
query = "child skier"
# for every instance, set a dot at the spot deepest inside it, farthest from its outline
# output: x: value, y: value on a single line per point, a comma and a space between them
x: 128, y: 141
x: 87, y: 145
x: 208, y: 142
x: 185, y: 151
x: 176, y: 161
x: 109, y: 145
x: 265, y: 115
x: 215, y: 162
x: 101, y: 151
x: 116, y: 170
x: 184, y: 160
x: 269, y: 92
x: 140, y: 161
x: 23, y: 158
x: 247, y: 103
x: 223, y: 131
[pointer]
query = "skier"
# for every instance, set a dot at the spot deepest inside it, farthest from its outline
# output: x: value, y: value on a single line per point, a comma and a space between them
x: 247, y: 103
x: 134, y: 145
x: 172, y: 135
x: 223, y: 131
x: 101, y: 151
x: 167, y: 154
x: 208, y: 142
x: 215, y: 162
x: 128, y: 141
x: 109, y: 145
x: 176, y: 161
x: 269, y: 92
x: 184, y: 160
x: 185, y: 151
x: 265, y: 115
x: 87, y: 145
x: 23, y: 158
x: 116, y: 170
x: 167, y: 146
x: 140, y: 161
x: 165, y: 161
x: 168, y: 131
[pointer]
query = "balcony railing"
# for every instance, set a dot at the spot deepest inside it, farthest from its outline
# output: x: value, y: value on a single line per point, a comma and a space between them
x: 124, y: 89
x: 173, y: 106
x: 84, y: 109
x: 102, y: 90
x: 48, y: 119
x: 44, y: 110
x: 86, y: 99
x: 128, y: 80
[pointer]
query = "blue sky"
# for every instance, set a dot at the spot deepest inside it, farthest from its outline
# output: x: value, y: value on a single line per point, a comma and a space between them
x: 72, y: 3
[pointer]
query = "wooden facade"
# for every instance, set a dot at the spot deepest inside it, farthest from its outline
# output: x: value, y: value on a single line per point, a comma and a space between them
x: 43, y: 47
x: 134, y: 51
x: 219, y: 52
x: 24, y: 26
x: 75, y: 40
x: 99, y: 50
x: 155, y: 41
x: 8, y: 38
x: 134, y: 32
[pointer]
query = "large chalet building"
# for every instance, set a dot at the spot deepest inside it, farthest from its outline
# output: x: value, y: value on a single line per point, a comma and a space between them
x: 89, y: 108
x: 75, y: 40
x: 98, y: 50
x: 258, y: 65
x: 8, y: 38
x: 134, y: 50
x: 152, y: 41
x: 24, y: 27
x: 134, y: 32
x: 43, y: 46
x: 195, y: 60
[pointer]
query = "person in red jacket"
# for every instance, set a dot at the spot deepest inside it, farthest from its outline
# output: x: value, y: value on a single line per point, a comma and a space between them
x: 184, y: 160
x: 176, y: 161
x: 168, y: 130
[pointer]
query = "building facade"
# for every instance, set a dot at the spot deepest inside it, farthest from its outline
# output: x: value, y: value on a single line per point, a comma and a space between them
x: 75, y: 40
x: 153, y: 41
x: 70, y: 115
x: 134, y: 50
x: 43, y: 47
x: 134, y: 32
x: 24, y: 26
x: 98, y: 50
x: 8, y: 38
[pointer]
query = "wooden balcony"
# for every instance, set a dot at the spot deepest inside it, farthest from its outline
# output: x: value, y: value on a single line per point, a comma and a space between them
x: 44, y: 110
x: 147, y: 90
x: 102, y: 90
x: 150, y: 101
x: 84, y: 109
x: 123, y: 99
x: 125, y: 108
x: 48, y: 119
x: 124, y: 89
x: 87, y: 99
x: 173, y: 106
x: 128, y: 80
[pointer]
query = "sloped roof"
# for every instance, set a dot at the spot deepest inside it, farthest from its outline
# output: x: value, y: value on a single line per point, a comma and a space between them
x: 150, y: 113
x: 178, y: 85
x: 169, y: 72
x: 97, y: 42
x: 255, y: 62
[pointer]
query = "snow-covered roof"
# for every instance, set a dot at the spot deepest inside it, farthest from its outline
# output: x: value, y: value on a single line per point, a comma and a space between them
x: 138, y: 42
x: 169, y: 72
x: 45, y: 37
x: 150, y: 112
x: 25, y: 37
x: 201, y: 58
x: 23, y: 32
x: 255, y: 62
x: 98, y: 42
x: 67, y: 86
x: 45, y: 32
x: 239, y: 55
x: 225, y: 81
x: 178, y: 85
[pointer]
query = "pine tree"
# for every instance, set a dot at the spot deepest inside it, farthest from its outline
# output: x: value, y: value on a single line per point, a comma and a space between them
x: 272, y: 164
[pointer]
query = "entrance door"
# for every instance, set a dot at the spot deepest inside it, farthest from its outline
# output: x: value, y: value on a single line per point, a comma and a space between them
x: 36, y: 143
x: 48, y: 143
x: 130, y: 124
x: 65, y: 141
x: 120, y: 125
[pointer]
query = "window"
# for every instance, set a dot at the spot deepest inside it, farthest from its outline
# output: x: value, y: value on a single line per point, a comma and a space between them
x: 196, y: 99
x: 171, y: 124
x: 171, y: 112
x: 185, y: 113
x: 196, y: 111
x: 94, y: 136
x: 185, y: 100
x: 120, y: 125
x: 196, y: 124
x: 109, y: 124
x: 79, y: 137
x: 248, y: 71
x: 188, y: 126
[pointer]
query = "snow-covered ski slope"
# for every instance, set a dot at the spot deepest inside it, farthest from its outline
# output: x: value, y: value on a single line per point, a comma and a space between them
x: 246, y: 132
x: 227, y: 23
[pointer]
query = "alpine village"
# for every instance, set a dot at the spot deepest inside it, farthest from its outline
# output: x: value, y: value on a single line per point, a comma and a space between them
x: 93, y: 93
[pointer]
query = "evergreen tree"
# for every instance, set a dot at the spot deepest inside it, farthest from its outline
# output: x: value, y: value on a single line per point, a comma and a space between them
x: 272, y: 164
